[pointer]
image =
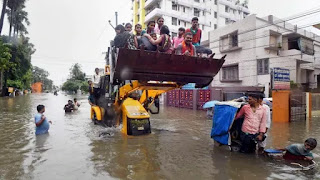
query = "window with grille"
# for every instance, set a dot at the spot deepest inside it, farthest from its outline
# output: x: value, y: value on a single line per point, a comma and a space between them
x: 263, y: 66
x: 229, y: 42
x: 215, y: 15
x: 230, y: 73
x: 216, y: 2
x: 234, y: 39
x: 174, y: 6
x: 174, y: 21
x: 227, y: 8
x: 196, y: 12
x: 215, y: 26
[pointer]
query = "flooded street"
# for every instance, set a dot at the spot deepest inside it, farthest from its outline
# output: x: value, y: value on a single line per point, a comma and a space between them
x: 179, y: 146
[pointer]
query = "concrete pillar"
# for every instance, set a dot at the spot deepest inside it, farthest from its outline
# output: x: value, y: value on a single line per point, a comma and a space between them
x: 135, y: 12
x: 309, y: 105
x: 280, y: 106
x: 142, y: 13
x: 266, y: 90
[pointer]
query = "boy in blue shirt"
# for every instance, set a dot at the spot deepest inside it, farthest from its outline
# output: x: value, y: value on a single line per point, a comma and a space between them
x: 42, y: 124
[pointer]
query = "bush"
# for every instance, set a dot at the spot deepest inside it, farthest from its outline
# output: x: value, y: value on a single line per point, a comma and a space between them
x: 15, y: 83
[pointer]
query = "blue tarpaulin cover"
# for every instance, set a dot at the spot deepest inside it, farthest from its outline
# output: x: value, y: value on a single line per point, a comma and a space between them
x: 223, y: 118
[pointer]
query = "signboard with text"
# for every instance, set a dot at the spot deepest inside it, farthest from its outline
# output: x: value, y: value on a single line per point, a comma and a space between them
x: 281, y: 78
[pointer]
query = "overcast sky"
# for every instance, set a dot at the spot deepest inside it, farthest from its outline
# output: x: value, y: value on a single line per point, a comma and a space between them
x: 68, y: 31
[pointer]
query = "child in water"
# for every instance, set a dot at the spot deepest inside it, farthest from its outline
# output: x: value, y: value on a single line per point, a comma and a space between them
x: 42, y: 124
x: 301, y: 151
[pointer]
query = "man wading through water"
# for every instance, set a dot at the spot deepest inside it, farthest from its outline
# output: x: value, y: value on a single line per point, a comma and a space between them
x: 254, y: 124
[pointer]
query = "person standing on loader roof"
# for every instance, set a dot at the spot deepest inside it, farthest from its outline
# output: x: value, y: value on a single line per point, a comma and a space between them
x: 196, y: 32
x: 263, y: 144
x: 186, y: 47
x: 96, y: 83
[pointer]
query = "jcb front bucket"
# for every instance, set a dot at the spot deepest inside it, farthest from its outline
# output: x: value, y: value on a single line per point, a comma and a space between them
x: 154, y: 66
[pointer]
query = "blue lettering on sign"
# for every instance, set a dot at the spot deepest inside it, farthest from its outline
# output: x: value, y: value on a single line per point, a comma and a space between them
x: 280, y: 74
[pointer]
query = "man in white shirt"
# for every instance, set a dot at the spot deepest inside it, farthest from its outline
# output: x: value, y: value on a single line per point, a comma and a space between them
x: 263, y: 144
x: 96, y: 83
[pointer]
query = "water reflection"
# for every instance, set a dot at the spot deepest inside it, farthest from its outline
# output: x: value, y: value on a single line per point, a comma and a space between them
x: 126, y: 157
x: 40, y: 142
x: 179, y: 146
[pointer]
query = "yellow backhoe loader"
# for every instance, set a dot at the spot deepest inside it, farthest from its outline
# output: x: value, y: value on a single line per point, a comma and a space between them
x: 134, y: 80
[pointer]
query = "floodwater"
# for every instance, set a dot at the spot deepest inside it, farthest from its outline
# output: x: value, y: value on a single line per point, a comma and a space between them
x: 179, y: 146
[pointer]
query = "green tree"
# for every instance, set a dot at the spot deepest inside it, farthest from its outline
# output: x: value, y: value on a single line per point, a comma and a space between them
x: 17, y: 16
x: 5, y: 63
x: 5, y: 57
x: 41, y: 75
x: 76, y: 80
x: 76, y: 72
x: 21, y: 50
x: 71, y: 85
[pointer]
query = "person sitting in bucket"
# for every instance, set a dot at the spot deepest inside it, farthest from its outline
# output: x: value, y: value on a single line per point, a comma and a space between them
x: 186, y: 47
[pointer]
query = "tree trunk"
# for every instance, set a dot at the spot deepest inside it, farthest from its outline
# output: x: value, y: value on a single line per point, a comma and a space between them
x: 1, y: 76
x: 3, y: 12
x: 15, y: 31
x: 11, y: 24
x: 4, y: 87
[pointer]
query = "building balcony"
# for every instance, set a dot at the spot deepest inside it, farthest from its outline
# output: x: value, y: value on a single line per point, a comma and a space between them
x: 308, y: 66
x: 158, y: 12
x: 234, y: 6
x: 150, y: 3
x: 317, y: 65
x: 273, y: 47
x: 296, y: 54
x: 153, y: 14
x: 201, y: 6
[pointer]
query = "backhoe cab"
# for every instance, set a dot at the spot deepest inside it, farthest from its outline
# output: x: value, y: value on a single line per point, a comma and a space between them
x: 135, y: 79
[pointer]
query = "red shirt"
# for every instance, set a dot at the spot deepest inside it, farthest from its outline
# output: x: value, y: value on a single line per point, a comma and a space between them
x: 195, y: 37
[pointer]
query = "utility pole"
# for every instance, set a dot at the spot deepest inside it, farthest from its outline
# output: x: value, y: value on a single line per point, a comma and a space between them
x: 116, y: 13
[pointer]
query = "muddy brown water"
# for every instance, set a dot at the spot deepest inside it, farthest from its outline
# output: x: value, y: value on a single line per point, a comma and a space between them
x: 179, y: 146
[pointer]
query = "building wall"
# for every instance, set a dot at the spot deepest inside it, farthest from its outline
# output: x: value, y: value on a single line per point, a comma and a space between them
x: 260, y: 39
x: 185, y: 12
